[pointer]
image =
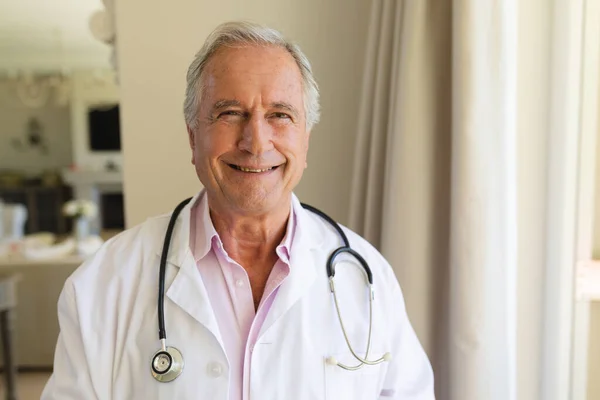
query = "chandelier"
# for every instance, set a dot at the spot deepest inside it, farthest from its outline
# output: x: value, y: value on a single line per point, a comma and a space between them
x: 102, y: 26
x: 36, y: 90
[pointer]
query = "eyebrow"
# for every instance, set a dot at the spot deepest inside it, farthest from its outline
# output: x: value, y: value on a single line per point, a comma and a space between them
x: 281, y: 105
x: 221, y: 104
x: 285, y: 106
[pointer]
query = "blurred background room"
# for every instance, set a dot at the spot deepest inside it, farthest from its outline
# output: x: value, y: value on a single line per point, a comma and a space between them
x: 60, y: 165
x: 460, y: 137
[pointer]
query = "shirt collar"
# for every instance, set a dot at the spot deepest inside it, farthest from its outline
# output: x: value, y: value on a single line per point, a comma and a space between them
x: 202, y: 230
x: 284, y: 248
x: 203, y: 235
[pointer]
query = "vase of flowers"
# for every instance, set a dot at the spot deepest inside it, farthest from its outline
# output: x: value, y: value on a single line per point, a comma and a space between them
x: 81, y: 211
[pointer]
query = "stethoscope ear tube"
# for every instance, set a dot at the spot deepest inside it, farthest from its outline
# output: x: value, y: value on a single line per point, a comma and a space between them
x: 361, y: 260
x: 344, y: 249
x: 331, y: 274
x: 330, y: 221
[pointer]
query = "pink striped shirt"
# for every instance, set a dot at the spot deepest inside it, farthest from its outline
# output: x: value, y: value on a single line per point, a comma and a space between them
x: 230, y: 294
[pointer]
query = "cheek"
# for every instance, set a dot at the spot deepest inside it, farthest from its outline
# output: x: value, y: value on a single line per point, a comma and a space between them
x: 213, y: 144
x: 299, y: 148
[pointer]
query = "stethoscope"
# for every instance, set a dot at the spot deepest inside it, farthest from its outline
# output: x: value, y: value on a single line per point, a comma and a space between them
x: 167, y: 363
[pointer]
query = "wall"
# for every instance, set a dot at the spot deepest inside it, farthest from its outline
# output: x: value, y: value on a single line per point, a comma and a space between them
x: 55, y: 121
x: 154, y: 53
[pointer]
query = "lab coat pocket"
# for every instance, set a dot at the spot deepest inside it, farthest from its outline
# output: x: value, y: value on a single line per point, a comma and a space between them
x: 362, y: 384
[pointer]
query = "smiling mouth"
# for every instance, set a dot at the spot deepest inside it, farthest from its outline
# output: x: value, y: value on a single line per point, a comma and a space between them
x: 252, y: 170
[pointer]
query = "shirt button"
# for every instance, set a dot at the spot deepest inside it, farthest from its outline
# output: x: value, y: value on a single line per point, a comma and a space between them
x: 214, y: 369
x: 239, y: 283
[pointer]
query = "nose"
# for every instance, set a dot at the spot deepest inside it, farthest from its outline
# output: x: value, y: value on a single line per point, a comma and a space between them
x: 256, y: 136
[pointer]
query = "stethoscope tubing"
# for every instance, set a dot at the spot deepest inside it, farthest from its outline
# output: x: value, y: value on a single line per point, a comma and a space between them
x: 162, y: 331
x: 171, y: 374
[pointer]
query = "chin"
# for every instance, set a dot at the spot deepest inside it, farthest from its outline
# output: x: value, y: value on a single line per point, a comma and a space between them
x: 256, y: 202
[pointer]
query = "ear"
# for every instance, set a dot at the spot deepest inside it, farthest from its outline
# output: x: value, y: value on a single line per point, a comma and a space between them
x: 307, y: 146
x: 192, y: 140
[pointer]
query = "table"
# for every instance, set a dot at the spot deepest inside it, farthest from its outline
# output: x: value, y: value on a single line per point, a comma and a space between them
x: 8, y: 304
x: 36, y: 328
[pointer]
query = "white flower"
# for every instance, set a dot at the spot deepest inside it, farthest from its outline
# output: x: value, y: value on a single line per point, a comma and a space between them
x: 89, y: 209
x: 70, y: 208
x: 80, y: 208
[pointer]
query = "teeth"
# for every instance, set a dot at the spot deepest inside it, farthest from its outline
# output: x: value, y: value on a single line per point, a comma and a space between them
x: 254, y: 170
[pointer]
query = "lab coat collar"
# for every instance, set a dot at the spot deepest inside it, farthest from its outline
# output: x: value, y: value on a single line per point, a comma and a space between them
x: 309, y: 238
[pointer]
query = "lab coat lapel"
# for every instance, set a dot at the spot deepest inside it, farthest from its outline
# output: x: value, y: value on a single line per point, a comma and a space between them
x: 308, y: 240
x: 188, y: 292
x: 187, y: 289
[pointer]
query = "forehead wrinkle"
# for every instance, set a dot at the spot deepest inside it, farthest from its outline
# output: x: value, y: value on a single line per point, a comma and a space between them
x: 220, y: 67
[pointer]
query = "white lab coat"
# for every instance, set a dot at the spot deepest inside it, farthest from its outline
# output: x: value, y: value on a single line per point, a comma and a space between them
x: 108, y: 320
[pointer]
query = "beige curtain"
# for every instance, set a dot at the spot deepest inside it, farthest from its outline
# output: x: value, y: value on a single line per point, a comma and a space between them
x: 400, y: 197
x: 402, y: 160
x: 471, y: 165
x: 435, y: 181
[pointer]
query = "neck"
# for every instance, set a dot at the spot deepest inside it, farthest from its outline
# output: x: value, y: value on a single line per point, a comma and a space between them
x: 251, y: 239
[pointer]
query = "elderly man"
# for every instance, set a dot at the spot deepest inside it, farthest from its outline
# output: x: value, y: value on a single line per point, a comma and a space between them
x: 245, y: 297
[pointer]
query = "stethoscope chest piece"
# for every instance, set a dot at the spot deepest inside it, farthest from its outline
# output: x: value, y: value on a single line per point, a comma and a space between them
x: 167, y: 364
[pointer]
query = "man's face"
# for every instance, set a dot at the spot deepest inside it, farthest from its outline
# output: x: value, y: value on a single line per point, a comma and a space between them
x: 249, y: 148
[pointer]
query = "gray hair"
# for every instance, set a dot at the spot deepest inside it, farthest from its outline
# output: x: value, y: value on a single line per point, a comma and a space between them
x: 247, y: 33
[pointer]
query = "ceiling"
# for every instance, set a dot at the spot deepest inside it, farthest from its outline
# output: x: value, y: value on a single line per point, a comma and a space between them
x: 49, y: 34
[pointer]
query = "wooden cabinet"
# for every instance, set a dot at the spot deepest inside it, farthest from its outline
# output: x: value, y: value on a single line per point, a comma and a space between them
x: 44, y: 206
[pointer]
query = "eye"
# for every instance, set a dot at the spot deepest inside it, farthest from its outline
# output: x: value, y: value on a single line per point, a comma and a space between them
x: 230, y: 113
x: 281, y: 115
